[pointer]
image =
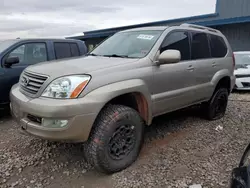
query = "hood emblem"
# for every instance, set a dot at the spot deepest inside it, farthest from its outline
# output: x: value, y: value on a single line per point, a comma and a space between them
x: 25, y: 81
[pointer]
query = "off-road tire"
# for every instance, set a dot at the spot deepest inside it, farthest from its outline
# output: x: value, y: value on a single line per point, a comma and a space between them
x: 216, y: 107
x: 110, y: 120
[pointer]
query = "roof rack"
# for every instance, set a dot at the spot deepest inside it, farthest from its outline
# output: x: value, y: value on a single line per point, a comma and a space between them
x: 200, y: 27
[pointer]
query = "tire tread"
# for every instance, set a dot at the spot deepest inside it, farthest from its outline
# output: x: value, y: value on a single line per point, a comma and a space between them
x: 99, y: 129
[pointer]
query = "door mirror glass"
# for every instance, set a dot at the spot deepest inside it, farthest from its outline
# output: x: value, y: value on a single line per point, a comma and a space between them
x: 169, y: 56
x: 11, y: 60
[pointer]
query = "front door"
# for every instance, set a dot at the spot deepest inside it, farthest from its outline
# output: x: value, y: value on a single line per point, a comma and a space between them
x: 173, y: 83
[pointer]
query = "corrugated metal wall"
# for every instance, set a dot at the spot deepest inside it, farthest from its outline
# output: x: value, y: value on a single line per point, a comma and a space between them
x: 238, y: 36
x: 233, y: 8
x: 227, y: 9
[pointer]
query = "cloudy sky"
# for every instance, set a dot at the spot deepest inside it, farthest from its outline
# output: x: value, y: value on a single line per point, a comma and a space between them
x: 33, y: 18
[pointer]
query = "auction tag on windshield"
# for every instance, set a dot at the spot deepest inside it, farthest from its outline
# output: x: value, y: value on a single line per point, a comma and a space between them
x: 145, y: 37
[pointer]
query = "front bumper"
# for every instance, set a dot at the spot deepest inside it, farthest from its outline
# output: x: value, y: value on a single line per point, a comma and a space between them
x: 242, y: 83
x: 79, y: 113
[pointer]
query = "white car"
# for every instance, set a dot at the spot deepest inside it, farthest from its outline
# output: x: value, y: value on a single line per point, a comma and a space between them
x: 242, y: 70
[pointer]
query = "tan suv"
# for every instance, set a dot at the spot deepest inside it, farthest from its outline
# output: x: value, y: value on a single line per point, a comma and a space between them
x: 106, y: 98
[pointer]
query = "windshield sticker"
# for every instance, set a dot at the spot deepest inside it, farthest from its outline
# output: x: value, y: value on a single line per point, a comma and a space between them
x: 144, y: 52
x: 145, y: 37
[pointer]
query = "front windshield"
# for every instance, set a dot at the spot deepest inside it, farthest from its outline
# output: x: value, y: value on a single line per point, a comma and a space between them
x: 5, y: 44
x: 133, y: 44
x: 242, y: 59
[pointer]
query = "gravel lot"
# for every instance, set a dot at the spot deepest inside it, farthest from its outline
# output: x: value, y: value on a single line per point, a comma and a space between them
x: 181, y: 149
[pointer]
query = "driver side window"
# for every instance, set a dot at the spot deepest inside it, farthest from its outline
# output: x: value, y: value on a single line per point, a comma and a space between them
x: 18, y: 52
x: 30, y: 53
x: 178, y: 40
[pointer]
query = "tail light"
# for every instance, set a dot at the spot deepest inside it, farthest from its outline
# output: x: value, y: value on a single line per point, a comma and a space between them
x: 233, y: 61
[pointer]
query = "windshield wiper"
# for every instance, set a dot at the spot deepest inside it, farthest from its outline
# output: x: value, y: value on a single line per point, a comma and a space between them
x: 92, y: 54
x: 115, y: 55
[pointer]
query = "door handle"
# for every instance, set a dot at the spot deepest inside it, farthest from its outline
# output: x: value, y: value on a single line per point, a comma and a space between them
x: 190, y: 68
x: 213, y: 64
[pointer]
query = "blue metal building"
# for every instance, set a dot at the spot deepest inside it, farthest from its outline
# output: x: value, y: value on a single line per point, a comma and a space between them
x: 231, y: 17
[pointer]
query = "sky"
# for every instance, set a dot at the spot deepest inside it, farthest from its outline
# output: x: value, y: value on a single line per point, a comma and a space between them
x: 59, y: 18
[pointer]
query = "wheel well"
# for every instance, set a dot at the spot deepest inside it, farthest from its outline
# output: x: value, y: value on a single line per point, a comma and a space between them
x: 225, y: 82
x: 137, y: 101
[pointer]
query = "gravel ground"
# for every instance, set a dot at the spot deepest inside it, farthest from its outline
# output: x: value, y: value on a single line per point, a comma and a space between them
x: 181, y: 149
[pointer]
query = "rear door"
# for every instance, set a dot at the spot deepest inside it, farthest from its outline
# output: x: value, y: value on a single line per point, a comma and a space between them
x: 208, y: 52
x: 29, y: 54
x: 204, y: 65
x: 66, y: 50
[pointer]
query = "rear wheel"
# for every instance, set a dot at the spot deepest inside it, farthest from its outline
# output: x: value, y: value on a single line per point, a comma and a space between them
x: 116, y: 139
x: 216, y: 107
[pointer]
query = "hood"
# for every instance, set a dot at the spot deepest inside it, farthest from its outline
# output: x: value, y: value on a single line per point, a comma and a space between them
x: 80, y: 65
x: 242, y: 69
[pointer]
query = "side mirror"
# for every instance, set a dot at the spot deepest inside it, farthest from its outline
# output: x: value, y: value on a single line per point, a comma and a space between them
x: 11, y: 60
x: 169, y: 56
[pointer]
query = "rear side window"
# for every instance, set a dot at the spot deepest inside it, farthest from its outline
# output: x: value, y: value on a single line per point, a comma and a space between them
x: 62, y: 50
x: 199, y: 46
x: 217, y: 46
x: 177, y: 40
x: 74, y: 49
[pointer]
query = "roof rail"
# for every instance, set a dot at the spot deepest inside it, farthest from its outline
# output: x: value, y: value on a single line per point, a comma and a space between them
x: 200, y: 27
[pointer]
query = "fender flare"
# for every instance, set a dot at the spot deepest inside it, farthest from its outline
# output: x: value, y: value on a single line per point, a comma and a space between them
x: 219, y: 75
x: 108, y: 92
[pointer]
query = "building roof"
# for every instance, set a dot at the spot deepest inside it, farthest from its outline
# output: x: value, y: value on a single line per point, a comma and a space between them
x: 110, y: 31
x: 214, y: 19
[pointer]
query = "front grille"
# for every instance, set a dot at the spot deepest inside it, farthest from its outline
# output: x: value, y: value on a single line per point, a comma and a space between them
x: 243, y: 76
x: 31, y: 83
x: 246, y: 84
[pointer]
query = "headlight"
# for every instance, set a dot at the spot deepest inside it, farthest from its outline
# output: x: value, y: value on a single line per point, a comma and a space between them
x: 68, y: 87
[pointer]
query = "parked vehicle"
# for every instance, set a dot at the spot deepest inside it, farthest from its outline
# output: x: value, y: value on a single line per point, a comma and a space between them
x: 106, y: 98
x: 240, y: 176
x: 242, y: 70
x: 16, y: 55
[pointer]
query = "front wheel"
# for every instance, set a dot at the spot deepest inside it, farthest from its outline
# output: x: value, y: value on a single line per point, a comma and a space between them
x: 216, y: 107
x: 116, y: 139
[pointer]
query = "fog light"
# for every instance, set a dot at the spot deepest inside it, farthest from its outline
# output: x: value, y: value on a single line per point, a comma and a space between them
x: 52, y: 123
